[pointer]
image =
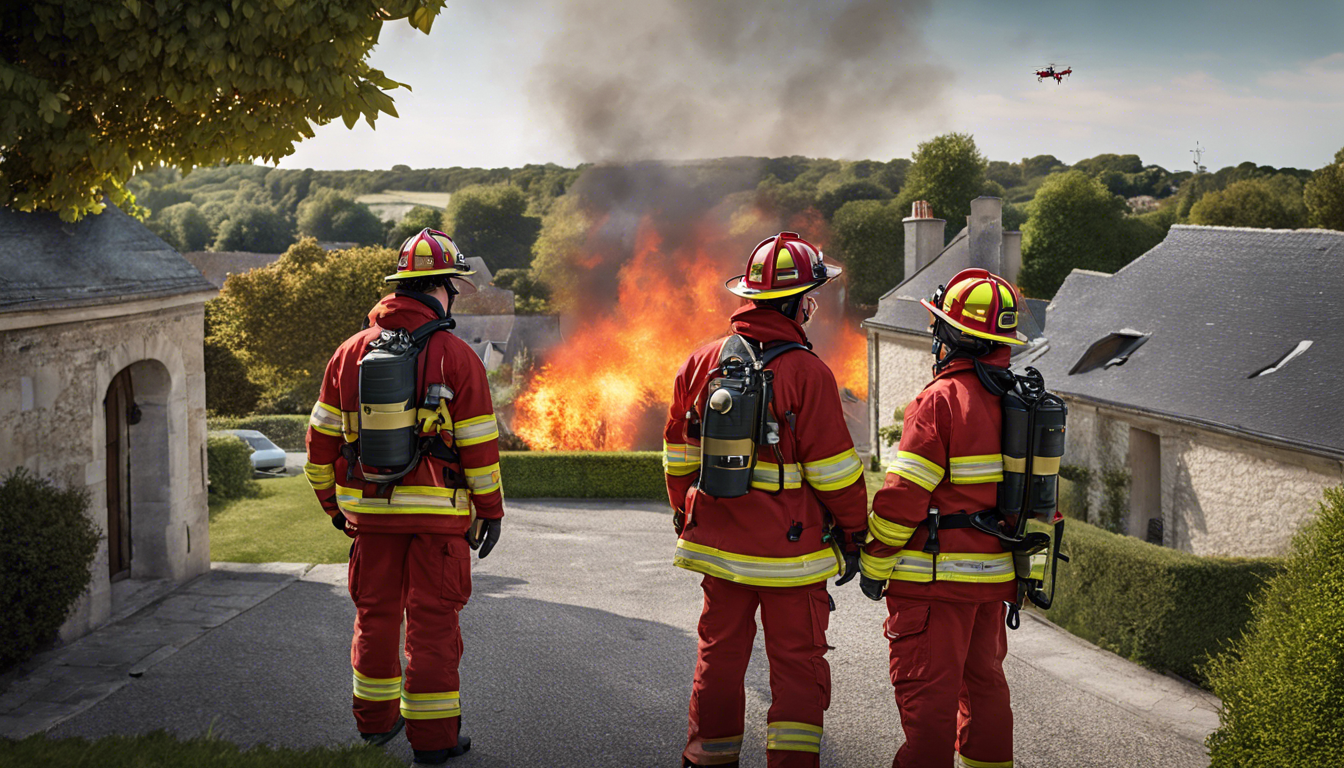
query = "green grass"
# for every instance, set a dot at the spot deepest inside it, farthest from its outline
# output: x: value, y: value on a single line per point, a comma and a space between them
x: 160, y: 750
x: 873, y: 479
x: 284, y: 524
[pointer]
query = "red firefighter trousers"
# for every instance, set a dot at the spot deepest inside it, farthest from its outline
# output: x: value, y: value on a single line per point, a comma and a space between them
x: 795, y: 621
x: 426, y: 577
x: 947, y: 667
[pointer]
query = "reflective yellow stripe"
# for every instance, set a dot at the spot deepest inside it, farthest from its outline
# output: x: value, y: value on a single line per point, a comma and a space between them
x: 320, y: 476
x: 757, y: 571
x: 474, y: 431
x: 350, y: 425
x: 917, y: 470
x: 793, y: 737
x: 974, y: 567
x: 407, y: 500
x: 430, y: 706
x: 483, y: 480
x: 680, y: 460
x: 887, y: 532
x: 728, y: 745
x: 875, y: 567
x: 967, y: 470
x: 1038, y: 566
x: 377, y: 688
x: 325, y: 419
x: 966, y: 762
x: 833, y: 473
x: 1045, y: 465
x: 765, y: 476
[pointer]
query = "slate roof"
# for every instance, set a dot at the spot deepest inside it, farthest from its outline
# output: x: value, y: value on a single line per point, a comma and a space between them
x: 899, y: 310
x: 1221, y: 303
x: 46, y: 263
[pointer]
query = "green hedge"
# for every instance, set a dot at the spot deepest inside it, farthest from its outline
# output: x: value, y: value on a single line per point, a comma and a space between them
x: 286, y: 431
x: 230, y: 461
x: 583, y: 474
x: 1282, y: 683
x: 1165, y: 609
x: 161, y: 750
x: 47, y: 543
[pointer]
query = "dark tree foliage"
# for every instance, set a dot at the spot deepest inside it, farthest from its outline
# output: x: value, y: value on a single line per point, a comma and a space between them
x: 892, y: 175
x: 1041, y: 165
x: 335, y: 216
x: 418, y: 218
x: 948, y: 172
x: 253, y: 227
x: 492, y: 222
x: 1273, y: 202
x: 1324, y: 195
x: 830, y: 202
x: 1093, y: 166
x: 184, y: 227
x: 1075, y: 224
x: 870, y: 239
x: 1007, y: 174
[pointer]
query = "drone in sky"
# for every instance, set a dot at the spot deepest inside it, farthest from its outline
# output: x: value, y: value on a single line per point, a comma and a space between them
x: 1050, y: 71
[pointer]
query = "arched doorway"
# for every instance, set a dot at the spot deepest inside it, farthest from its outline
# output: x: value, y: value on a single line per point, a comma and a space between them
x: 119, y: 413
x: 136, y: 416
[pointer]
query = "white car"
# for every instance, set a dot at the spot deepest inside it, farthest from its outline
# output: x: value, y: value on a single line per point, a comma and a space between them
x: 266, y: 456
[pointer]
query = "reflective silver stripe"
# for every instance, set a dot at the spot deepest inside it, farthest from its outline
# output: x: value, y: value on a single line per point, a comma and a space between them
x: 760, y: 571
x: 917, y: 469
x: 792, y: 736
x: 679, y: 459
x: 481, y: 429
x: 723, y: 747
x: 952, y: 566
x: 835, y: 472
x: 765, y: 476
x: 966, y: 470
x: 325, y: 419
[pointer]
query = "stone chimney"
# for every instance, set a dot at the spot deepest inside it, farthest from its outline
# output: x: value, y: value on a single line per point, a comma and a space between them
x: 923, y: 237
x: 985, y: 234
x: 1012, y: 256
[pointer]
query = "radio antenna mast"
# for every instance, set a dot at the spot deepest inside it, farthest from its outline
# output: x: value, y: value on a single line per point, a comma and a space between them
x: 1198, y: 153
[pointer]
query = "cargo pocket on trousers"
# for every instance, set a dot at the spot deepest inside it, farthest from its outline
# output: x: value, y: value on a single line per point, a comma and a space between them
x: 455, y: 586
x: 820, y: 604
x: 905, y: 630
x: 352, y: 571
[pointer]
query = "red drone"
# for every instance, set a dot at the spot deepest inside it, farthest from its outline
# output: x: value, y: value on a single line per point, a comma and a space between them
x: 1050, y: 71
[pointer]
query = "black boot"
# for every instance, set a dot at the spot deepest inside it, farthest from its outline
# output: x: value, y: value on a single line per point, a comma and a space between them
x: 441, y: 756
x: 379, y: 739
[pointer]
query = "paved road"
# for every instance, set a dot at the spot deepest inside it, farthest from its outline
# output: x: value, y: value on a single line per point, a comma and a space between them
x: 580, y: 648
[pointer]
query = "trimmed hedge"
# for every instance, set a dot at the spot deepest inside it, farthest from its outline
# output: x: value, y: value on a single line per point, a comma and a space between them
x: 1282, y: 683
x: 1160, y: 607
x: 47, y: 543
x: 230, y: 462
x: 287, y: 431
x: 583, y: 475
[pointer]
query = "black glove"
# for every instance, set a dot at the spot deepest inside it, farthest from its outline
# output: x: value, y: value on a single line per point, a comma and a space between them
x: 678, y: 521
x: 851, y: 553
x: 851, y: 568
x: 338, y: 522
x: 871, y: 588
x: 487, y: 535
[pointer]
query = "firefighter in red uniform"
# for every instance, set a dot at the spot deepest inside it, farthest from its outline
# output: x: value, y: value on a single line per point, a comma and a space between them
x: 410, y: 552
x: 946, y: 583
x: 775, y: 546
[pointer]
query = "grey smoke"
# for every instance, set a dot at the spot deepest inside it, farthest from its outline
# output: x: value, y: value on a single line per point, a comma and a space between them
x: 676, y: 79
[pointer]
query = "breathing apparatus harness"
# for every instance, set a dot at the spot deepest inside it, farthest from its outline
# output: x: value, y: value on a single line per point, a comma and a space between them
x: 1032, y: 445
x: 389, y: 446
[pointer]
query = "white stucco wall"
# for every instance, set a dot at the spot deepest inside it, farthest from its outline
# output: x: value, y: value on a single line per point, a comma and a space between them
x: 53, y: 380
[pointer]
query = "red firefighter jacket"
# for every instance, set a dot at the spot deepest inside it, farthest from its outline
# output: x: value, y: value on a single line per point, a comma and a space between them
x: 949, y: 457
x: 435, y: 497
x: 745, y: 539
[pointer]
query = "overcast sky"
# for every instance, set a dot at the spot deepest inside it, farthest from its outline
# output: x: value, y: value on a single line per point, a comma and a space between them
x: 509, y: 82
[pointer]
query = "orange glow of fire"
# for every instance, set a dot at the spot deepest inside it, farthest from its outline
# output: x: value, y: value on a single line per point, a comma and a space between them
x: 609, y: 386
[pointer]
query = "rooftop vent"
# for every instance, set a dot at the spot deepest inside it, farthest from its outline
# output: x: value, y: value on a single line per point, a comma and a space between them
x: 1302, y: 346
x: 1115, y: 349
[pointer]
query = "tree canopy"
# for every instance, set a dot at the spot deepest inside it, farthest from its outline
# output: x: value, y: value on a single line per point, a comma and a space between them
x: 91, y: 92
x: 1273, y: 202
x: 948, y: 172
x: 871, y: 240
x: 335, y: 216
x: 1324, y: 195
x: 492, y: 222
x: 1075, y: 223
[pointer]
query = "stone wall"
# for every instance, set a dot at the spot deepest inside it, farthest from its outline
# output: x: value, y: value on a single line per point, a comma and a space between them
x: 901, y: 367
x: 52, y: 384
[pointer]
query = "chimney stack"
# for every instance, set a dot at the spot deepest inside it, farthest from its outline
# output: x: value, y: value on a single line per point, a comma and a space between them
x: 923, y: 237
x: 1012, y: 256
x: 985, y: 225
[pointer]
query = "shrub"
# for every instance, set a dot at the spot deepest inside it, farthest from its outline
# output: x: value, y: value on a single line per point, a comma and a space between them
x: 1074, y: 482
x: 1160, y: 607
x: 47, y: 543
x: 287, y: 431
x: 1114, y: 500
x: 583, y: 474
x: 1282, y: 683
x: 230, y: 461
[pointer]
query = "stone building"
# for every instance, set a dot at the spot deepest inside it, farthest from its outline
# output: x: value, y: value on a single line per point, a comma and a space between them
x: 102, y: 387
x: 899, y: 358
x: 1209, y: 372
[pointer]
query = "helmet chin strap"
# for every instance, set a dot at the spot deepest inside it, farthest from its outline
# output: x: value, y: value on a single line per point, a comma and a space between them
x: 944, y: 335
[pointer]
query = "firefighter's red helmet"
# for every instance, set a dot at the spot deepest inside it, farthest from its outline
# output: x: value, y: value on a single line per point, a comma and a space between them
x: 783, y: 265
x: 433, y: 253
x: 980, y: 303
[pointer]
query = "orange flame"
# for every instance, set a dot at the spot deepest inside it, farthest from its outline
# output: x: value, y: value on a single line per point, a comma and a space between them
x: 609, y: 386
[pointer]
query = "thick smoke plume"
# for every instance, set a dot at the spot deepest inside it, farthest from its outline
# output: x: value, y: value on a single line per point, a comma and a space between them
x: 679, y: 79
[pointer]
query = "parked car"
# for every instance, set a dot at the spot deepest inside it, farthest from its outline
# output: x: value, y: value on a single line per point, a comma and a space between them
x: 266, y: 456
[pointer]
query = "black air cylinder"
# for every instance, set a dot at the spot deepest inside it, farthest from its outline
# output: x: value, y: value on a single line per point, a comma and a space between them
x: 727, y: 438
x: 1047, y: 448
x: 387, y: 425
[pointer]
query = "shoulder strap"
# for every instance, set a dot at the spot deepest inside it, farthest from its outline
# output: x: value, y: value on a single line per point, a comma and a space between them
x: 421, y: 334
x: 773, y: 352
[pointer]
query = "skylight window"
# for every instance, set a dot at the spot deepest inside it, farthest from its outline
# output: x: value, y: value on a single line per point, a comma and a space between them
x: 1302, y: 346
x: 1114, y: 349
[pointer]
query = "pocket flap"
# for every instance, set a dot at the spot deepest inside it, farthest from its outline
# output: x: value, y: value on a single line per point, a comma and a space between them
x: 908, y: 620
